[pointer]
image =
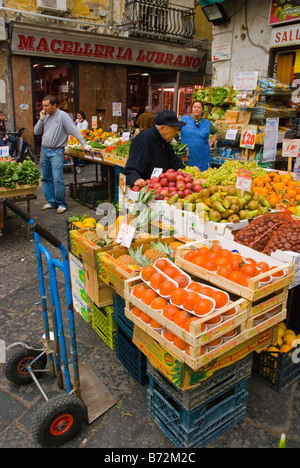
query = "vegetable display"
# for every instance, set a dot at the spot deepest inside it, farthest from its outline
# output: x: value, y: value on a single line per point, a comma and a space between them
x: 12, y: 173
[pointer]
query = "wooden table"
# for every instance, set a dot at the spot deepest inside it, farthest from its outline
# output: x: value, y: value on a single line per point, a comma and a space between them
x: 96, y: 158
x: 25, y: 193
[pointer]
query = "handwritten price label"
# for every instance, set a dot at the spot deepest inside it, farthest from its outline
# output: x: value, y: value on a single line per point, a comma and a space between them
x: 125, y: 235
x: 290, y: 148
x: 248, y: 136
x: 244, y: 180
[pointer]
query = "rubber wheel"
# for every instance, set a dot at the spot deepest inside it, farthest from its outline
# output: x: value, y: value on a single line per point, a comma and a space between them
x: 58, y: 420
x: 17, y: 360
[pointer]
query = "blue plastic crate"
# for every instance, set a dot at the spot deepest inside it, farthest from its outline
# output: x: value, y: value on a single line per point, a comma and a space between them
x: 217, y: 383
x: 131, y: 357
x: 120, y: 318
x: 195, y: 428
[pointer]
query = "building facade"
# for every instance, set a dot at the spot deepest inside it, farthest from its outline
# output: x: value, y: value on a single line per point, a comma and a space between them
x: 100, y: 57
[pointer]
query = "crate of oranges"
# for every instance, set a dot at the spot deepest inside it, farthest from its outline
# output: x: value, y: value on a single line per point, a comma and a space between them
x: 193, y: 320
x: 235, y: 267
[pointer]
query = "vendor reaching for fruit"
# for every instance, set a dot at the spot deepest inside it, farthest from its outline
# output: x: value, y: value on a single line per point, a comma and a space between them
x: 152, y: 149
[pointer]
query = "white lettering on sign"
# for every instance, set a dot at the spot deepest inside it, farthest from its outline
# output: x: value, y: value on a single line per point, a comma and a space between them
x: 24, y: 43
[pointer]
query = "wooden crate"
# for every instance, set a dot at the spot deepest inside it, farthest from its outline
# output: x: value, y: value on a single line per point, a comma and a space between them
x: 268, y: 303
x: 121, y: 161
x: 195, y: 338
x: 18, y: 191
x: 101, y: 294
x: 253, y: 292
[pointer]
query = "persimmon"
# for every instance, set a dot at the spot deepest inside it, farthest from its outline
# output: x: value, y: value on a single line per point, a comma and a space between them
x: 179, y: 343
x: 168, y: 335
x: 189, y: 300
x: 166, y: 288
x: 221, y: 299
x: 161, y: 264
x: 158, y: 303
x: 156, y: 280
x: 148, y: 296
x: 224, y: 271
x: 195, y: 287
x: 147, y: 272
x: 171, y: 271
x: 138, y: 289
x: 145, y: 317
x: 181, y: 317
x: 177, y: 296
x: 189, y: 321
x: 203, y: 307
x: 136, y: 311
x: 189, y: 256
x: 169, y: 311
x: 181, y: 280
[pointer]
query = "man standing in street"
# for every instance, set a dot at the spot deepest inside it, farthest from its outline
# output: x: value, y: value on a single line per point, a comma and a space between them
x: 55, y: 126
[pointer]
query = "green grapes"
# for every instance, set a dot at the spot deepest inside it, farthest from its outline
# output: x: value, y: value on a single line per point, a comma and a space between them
x: 227, y: 173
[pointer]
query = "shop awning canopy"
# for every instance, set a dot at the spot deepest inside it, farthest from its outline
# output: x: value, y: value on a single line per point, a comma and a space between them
x: 209, y: 2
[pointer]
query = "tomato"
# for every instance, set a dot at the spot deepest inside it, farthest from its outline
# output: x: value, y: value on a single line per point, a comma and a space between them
x: 248, y: 269
x: 236, y: 262
x: 263, y: 266
x: 238, y: 277
x: 224, y: 271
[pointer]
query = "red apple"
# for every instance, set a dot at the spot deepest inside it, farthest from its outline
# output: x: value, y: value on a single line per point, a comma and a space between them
x: 180, y: 185
x: 166, y: 198
x: 135, y: 188
x: 158, y: 197
x: 187, y: 192
x: 197, y: 182
x: 154, y: 179
x: 188, y: 179
x: 171, y: 176
x: 180, y: 193
x: 179, y: 177
x: 189, y: 186
x: 164, y: 182
x: 164, y: 192
x: 197, y: 188
x: 161, y: 176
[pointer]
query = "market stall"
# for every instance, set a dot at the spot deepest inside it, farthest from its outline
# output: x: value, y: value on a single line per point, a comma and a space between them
x: 193, y: 299
x: 18, y: 182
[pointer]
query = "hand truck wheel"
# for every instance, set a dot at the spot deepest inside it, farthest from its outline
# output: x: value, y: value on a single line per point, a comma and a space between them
x: 58, y: 420
x: 18, y: 358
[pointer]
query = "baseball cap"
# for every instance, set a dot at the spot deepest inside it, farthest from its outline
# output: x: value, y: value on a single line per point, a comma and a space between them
x: 168, y: 118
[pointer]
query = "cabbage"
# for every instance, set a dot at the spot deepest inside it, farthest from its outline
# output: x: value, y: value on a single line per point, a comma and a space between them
x: 217, y: 113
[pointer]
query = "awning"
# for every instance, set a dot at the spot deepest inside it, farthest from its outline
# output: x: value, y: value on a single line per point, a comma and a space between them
x: 209, y: 2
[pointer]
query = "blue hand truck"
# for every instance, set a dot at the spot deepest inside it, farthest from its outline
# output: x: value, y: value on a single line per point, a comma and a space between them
x: 62, y: 416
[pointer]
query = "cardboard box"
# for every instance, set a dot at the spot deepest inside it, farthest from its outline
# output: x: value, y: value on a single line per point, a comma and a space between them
x: 291, y: 257
x: 84, y: 249
x: 82, y: 307
x: 95, y: 288
x: 180, y: 374
x: 76, y: 268
x: 113, y: 272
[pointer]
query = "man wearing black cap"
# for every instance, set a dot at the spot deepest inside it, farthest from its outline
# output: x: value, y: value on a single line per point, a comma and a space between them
x: 152, y: 149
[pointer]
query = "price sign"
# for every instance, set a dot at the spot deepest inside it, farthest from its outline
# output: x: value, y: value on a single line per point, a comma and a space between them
x: 231, y: 134
x: 248, y: 136
x: 290, y: 148
x: 94, y: 121
x: 125, y: 235
x: 244, y: 180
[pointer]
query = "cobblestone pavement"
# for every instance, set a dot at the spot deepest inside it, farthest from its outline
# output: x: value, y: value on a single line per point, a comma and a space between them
x: 126, y: 424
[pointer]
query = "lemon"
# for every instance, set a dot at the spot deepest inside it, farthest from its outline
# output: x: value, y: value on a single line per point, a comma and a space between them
x: 289, y: 337
x: 279, y: 342
x: 89, y: 222
x: 79, y: 224
x: 273, y: 350
x: 282, y: 325
x: 285, y: 348
x: 280, y: 332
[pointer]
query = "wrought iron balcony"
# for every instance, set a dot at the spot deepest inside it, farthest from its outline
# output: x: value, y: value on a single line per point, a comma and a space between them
x: 156, y: 18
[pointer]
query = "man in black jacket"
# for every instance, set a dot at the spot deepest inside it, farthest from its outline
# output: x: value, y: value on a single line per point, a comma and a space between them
x: 152, y: 149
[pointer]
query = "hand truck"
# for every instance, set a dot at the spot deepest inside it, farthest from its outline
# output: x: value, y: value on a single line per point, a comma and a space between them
x: 61, y: 417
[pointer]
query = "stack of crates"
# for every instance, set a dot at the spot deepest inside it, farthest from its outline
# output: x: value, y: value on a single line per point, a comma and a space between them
x: 104, y: 324
x: 127, y: 352
x: 194, y: 417
x: 90, y: 194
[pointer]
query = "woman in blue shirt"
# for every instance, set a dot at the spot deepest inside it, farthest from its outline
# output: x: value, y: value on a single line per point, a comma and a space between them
x: 196, y: 135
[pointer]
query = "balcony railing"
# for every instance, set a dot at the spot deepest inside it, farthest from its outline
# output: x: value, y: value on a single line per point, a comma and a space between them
x: 156, y: 18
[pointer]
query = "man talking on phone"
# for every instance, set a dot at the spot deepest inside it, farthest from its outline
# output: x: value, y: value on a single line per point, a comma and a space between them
x: 55, y: 126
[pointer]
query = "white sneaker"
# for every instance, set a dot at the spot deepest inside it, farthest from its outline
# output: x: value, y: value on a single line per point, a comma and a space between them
x: 61, y: 209
x: 47, y: 206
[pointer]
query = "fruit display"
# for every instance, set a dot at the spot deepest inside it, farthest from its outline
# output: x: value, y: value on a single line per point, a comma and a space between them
x: 279, y: 190
x: 227, y: 173
x: 142, y: 258
x: 271, y: 232
x: 232, y: 266
x: 223, y: 204
x: 173, y: 183
x: 287, y: 339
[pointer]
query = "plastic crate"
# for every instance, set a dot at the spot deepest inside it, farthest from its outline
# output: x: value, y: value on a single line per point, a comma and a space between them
x: 219, y: 382
x: 89, y: 194
x: 277, y: 370
x: 131, y: 357
x: 196, y: 428
x: 121, y: 320
x: 104, y: 324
